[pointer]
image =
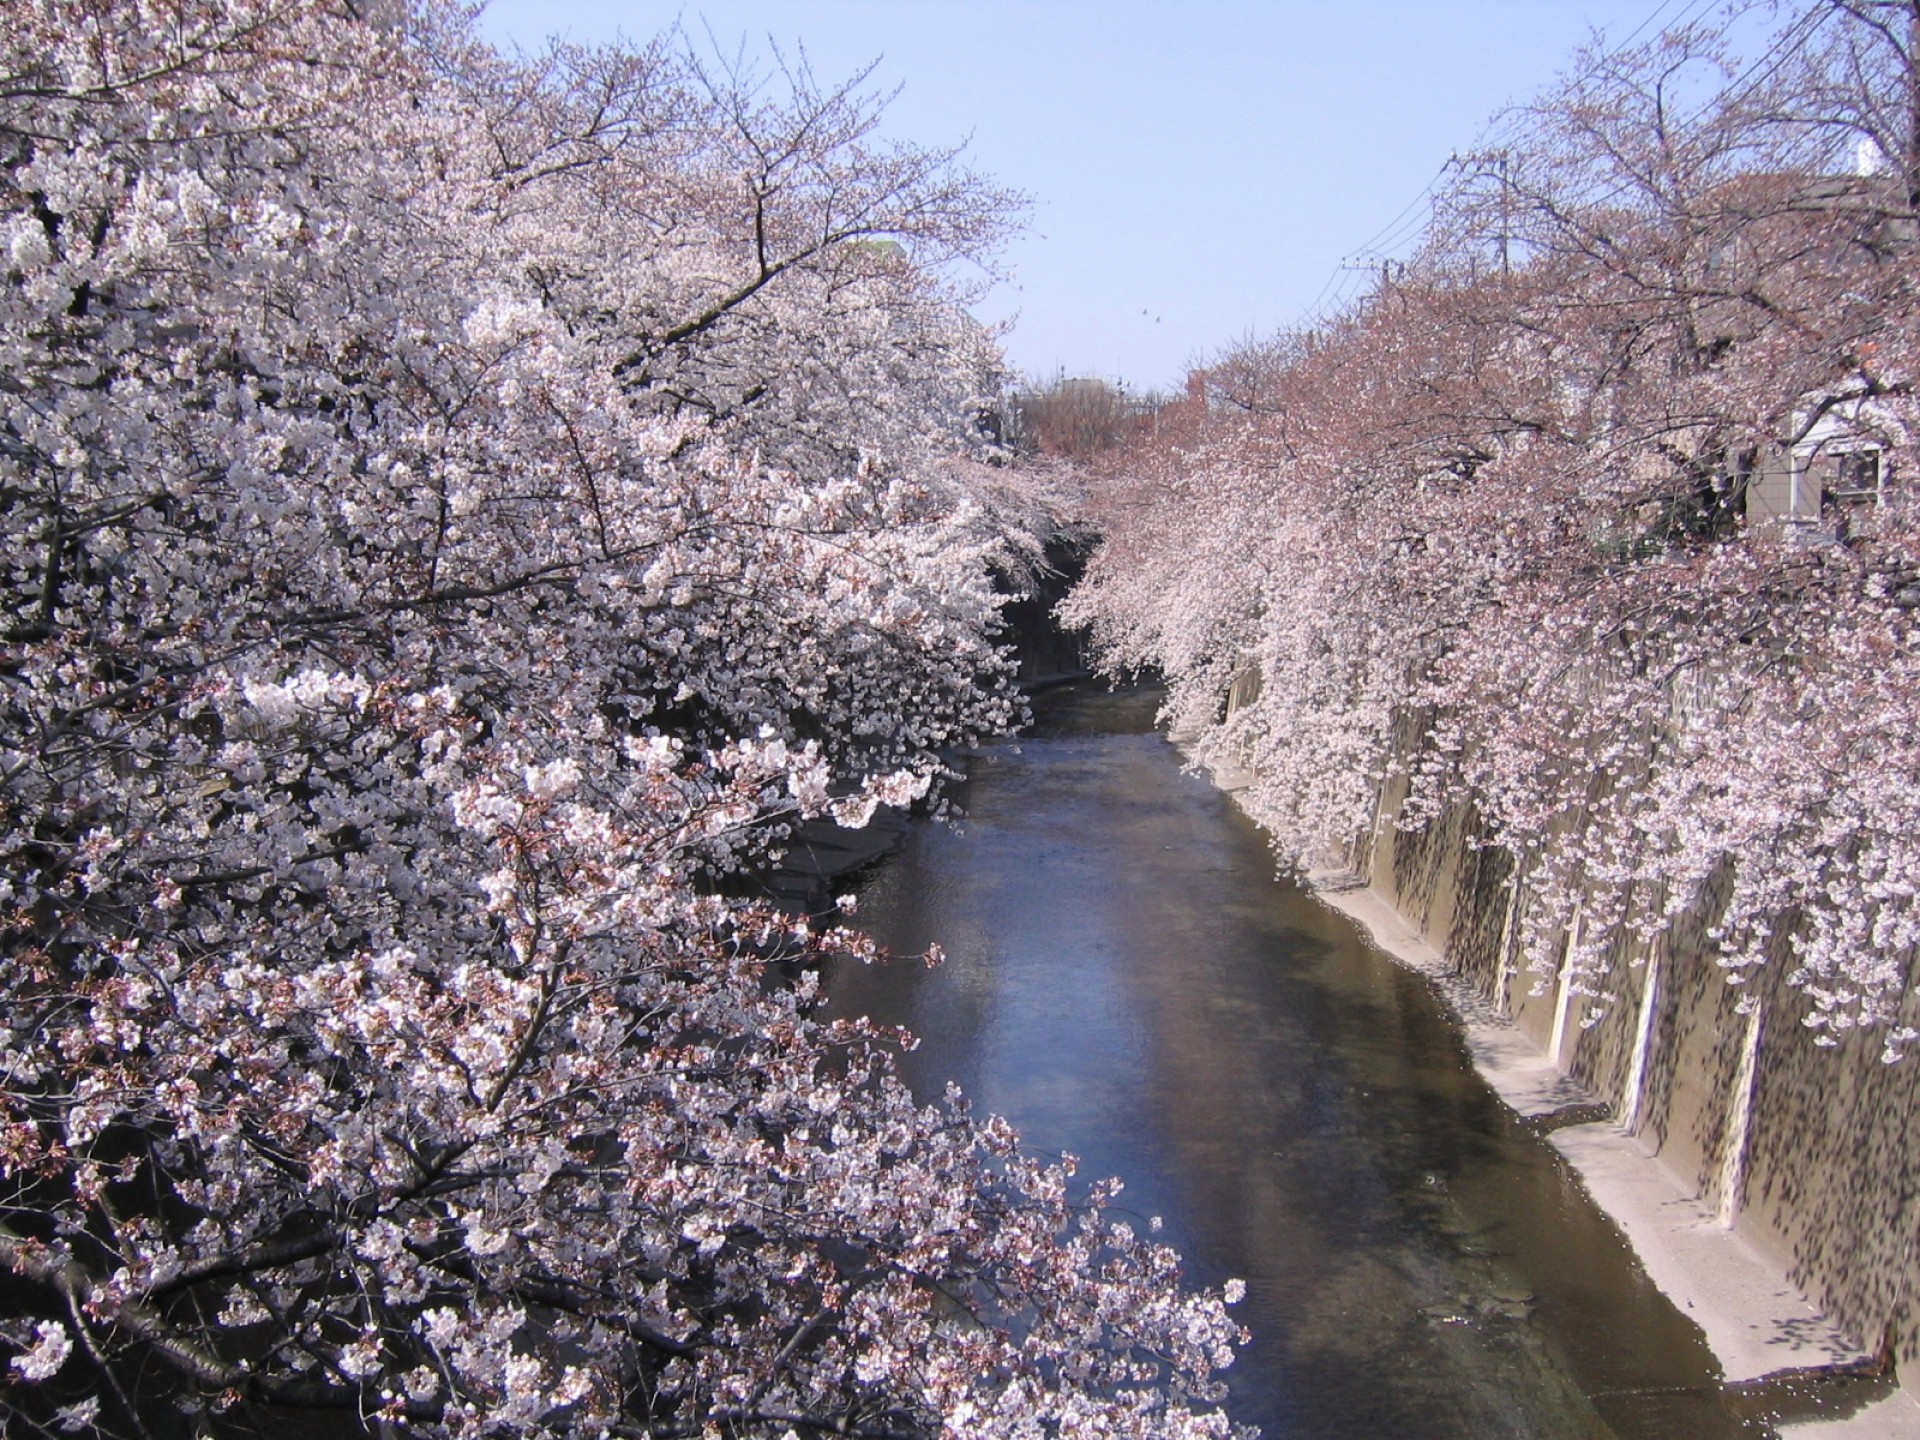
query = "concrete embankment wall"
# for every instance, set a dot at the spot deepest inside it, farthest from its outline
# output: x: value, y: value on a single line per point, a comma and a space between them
x: 1047, y: 652
x: 1808, y: 1153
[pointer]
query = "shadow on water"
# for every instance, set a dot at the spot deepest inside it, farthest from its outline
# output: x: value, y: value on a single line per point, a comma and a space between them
x: 1126, y: 981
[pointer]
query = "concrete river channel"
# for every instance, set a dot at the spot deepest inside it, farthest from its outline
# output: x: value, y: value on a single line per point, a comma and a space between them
x: 1126, y: 980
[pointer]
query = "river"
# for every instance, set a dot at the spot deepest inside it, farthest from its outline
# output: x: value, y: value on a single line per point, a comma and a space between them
x: 1126, y: 980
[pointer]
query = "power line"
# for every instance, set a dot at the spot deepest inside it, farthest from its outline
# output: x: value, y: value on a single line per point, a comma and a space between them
x: 1426, y: 190
x: 1784, y: 45
x: 1684, y: 17
x: 1408, y: 222
x: 1395, y: 230
x: 1635, y: 33
x: 1343, y: 283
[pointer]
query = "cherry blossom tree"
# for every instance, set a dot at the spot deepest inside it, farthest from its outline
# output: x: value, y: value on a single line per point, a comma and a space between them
x: 1499, y: 513
x: 457, y: 508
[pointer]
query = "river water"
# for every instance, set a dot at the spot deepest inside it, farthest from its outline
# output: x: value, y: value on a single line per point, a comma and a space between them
x: 1126, y: 981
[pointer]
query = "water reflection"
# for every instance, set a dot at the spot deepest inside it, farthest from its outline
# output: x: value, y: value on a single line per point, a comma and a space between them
x: 1125, y: 981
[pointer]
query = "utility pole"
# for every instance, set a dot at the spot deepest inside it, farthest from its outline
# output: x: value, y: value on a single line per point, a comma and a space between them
x: 1506, y: 214
x: 1496, y: 164
x: 1387, y: 268
x: 1913, y: 107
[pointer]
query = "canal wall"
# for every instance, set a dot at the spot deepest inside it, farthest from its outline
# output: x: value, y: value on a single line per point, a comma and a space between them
x: 1769, y: 1183
x: 1805, y: 1153
x: 1047, y: 652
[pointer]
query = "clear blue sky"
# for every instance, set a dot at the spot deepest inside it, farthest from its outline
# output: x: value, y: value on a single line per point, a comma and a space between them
x: 1199, y: 169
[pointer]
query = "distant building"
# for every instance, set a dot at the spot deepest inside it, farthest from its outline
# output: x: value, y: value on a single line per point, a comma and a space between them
x: 1839, y: 465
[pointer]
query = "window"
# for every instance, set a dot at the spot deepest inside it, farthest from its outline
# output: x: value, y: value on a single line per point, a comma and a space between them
x: 1856, y: 480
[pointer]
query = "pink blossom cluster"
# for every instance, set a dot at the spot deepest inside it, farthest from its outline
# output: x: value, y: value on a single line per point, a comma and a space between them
x: 456, y: 511
x: 1516, y: 529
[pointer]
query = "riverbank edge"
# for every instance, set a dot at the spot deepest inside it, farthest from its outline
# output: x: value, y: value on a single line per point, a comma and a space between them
x: 1757, y: 1323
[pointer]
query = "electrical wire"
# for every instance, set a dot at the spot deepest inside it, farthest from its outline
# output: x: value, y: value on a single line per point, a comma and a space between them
x: 1338, y: 290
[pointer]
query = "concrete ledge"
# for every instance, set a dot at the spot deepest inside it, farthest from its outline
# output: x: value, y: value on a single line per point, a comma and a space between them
x: 1523, y: 1077
x: 820, y: 852
x: 1756, y: 1322
x: 1387, y: 927
x: 1895, y: 1418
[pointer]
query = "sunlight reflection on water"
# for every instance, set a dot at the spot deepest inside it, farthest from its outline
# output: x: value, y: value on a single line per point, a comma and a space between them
x: 1126, y: 981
